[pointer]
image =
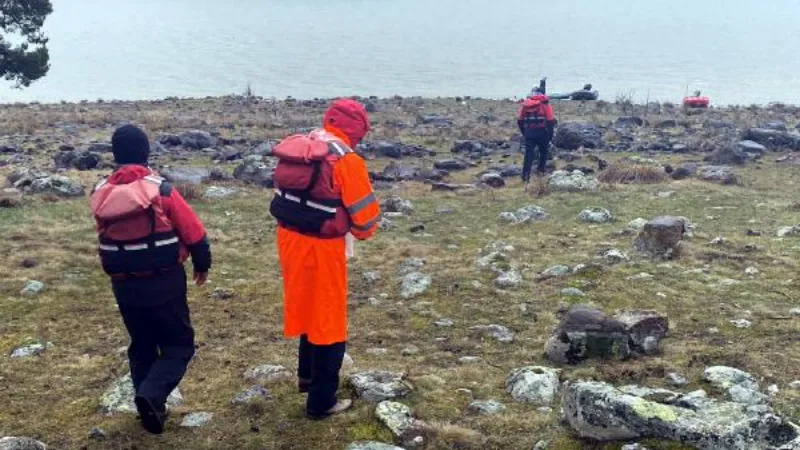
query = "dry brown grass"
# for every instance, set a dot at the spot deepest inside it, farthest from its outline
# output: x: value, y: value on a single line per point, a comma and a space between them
x: 627, y: 173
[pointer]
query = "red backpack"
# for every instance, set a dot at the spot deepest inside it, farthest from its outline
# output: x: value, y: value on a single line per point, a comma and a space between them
x: 534, y: 112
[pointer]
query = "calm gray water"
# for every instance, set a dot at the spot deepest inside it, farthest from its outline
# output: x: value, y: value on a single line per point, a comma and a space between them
x: 736, y: 51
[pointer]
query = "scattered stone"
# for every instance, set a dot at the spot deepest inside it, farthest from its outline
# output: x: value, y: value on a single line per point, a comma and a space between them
x: 602, y: 412
x: 556, y: 272
x: 795, y: 385
x: 97, y: 434
x: 377, y: 351
x: 639, y: 277
x: 676, y: 380
x: 32, y: 288
x: 723, y: 377
x: 741, y: 323
x: 637, y: 224
x: 186, y: 175
x: 576, y: 181
x: 541, y: 445
x: 252, y: 393
x: 751, y: 148
x: 789, y: 231
x: 268, y: 373
x: 643, y: 325
x: 444, y: 323
x: 414, y: 284
x: 629, y: 121
x: 510, y: 279
x: 661, y: 237
x: 119, y: 398
x: 493, y: 179
x: 572, y: 136
x: 534, y: 384
x: 486, y: 407
x: 497, y: 332
x: 410, y: 350
x: 371, y: 445
x: 751, y: 271
x: 223, y: 294
x: 411, y: 265
x: 774, y: 139
x: 525, y: 214
x: 397, y: 417
x: 197, y: 139
x: 727, y: 155
x: 197, y: 419
x: 614, y: 256
x: 397, y: 204
x: 31, y: 350
x: 217, y: 192
x: 451, y: 165
x: 257, y: 170
x: 596, y: 215
x: 573, y: 292
x: 469, y: 360
x: 77, y: 160
x: 633, y: 447
x: 20, y: 443
x: 54, y: 185
x: 378, y: 386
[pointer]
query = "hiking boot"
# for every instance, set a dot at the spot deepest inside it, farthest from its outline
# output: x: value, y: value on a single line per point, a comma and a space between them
x: 303, y: 384
x: 152, y: 418
x: 340, y: 407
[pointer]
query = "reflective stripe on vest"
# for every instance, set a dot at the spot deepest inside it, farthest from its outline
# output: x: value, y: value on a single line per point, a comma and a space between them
x: 358, y: 206
x: 309, y: 203
x: 137, y: 247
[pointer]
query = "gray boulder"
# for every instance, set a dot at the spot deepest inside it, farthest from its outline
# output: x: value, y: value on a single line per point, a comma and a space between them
x: 584, y: 333
x: 718, y: 174
x: 493, y: 179
x: 437, y: 121
x: 535, y: 384
x: 728, y: 155
x: 169, y: 140
x: 197, y: 139
x: 379, y: 386
x: 398, y: 205
x: 398, y: 419
x: 411, y: 265
x: 250, y: 394
x: 32, y: 287
x: 661, y: 237
x: 100, y: 147
x: 774, y: 139
x: 575, y: 181
x: 394, y: 149
x: 257, y: 170
x: 31, y: 350
x: 451, y: 165
x: 572, y: 136
x: 218, y: 192
x: 751, y: 148
x: 525, y: 214
x: 629, y: 121
x: 186, y: 175
x: 20, y: 443
x: 118, y: 398
x: 642, y: 326
x: 55, y: 185
x: 509, y: 279
x: 77, y: 160
x: 601, y: 412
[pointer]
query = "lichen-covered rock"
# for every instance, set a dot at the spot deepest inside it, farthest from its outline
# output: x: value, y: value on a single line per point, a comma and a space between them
x: 510, y: 279
x: 32, y: 288
x: 614, y: 256
x: 576, y: 181
x: 119, y: 397
x: 371, y: 445
x: 525, y: 214
x: 31, y: 350
x: 535, y: 384
x: 58, y: 185
x: 397, y: 204
x: 21, y: 443
x: 411, y: 265
x: 486, y: 407
x: 379, y: 386
x: 268, y: 373
x: 414, y: 284
x: 596, y: 215
x: 397, y: 418
x: 186, y: 175
x: 556, y: 272
x: 499, y: 333
x: 661, y: 237
x: 723, y: 377
x: 602, y: 412
x: 197, y: 419
x: 718, y: 174
x: 218, y: 192
x: 252, y: 393
x: 493, y: 179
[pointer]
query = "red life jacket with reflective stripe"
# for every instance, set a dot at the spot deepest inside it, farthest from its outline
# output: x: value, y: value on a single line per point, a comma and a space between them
x: 306, y: 197
x: 135, y: 234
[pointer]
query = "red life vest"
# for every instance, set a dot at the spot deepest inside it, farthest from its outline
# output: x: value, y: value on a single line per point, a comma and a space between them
x: 136, y: 236
x: 306, y: 198
x: 535, y: 112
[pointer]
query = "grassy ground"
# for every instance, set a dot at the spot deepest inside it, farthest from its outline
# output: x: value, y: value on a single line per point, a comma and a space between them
x: 55, y: 396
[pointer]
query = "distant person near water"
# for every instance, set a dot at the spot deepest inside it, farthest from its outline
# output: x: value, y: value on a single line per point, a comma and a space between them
x: 537, y: 124
x: 323, y: 201
x: 147, y: 231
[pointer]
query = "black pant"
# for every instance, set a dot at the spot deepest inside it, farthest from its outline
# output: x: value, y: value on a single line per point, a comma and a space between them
x: 535, y: 148
x: 162, y: 338
x: 320, y: 364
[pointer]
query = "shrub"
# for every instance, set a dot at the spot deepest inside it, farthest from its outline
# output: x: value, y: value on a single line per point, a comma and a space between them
x: 626, y: 173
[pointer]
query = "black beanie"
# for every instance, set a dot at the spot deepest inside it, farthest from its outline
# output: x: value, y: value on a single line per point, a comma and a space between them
x: 130, y: 145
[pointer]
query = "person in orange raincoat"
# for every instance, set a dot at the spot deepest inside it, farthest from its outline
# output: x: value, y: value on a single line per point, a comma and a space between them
x: 322, y: 194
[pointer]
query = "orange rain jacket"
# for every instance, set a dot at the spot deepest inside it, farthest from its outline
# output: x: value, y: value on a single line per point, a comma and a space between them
x: 315, y: 269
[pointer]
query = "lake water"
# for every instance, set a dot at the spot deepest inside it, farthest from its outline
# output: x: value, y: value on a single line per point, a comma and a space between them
x: 736, y: 51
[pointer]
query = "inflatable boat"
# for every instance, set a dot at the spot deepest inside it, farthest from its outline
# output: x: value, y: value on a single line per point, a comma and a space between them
x: 696, y: 102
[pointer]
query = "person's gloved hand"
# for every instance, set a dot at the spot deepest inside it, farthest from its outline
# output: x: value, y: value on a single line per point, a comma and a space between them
x: 200, y: 278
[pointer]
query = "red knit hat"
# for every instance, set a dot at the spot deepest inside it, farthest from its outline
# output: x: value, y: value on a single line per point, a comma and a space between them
x: 349, y: 117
